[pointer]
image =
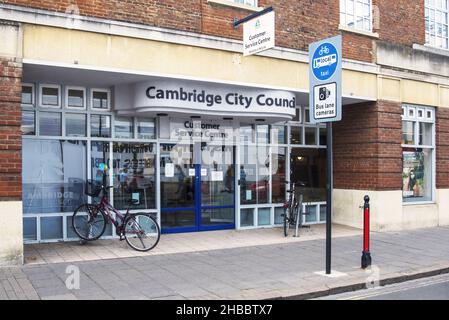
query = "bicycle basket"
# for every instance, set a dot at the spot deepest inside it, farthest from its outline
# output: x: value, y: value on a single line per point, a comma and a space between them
x: 93, y: 188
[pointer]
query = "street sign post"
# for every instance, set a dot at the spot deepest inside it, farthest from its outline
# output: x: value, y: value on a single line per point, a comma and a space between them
x: 325, y: 80
x: 325, y: 107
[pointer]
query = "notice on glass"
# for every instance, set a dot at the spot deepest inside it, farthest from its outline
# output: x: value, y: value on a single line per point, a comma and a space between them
x: 169, y: 170
x: 136, y: 197
x: 191, y: 172
x: 249, y: 195
x: 203, y: 172
x: 216, y: 176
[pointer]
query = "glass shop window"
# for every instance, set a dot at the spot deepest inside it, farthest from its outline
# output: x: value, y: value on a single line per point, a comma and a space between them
x: 146, y: 129
x: 53, y: 175
x: 100, y: 126
x: 123, y: 127
x: 134, y: 175
x: 308, y: 172
x: 50, y: 123
x: 75, y: 124
x: 418, y: 148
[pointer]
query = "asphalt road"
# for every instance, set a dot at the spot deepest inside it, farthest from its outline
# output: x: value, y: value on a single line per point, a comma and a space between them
x: 432, y: 288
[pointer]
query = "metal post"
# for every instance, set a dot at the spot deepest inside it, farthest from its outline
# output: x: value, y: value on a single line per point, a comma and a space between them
x: 329, y: 198
x: 236, y: 22
x: 366, y: 255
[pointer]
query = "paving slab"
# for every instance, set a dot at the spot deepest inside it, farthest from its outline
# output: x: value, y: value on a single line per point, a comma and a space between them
x: 255, y: 269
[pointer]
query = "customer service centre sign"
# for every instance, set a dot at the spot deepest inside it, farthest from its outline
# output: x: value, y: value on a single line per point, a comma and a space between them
x: 258, y: 34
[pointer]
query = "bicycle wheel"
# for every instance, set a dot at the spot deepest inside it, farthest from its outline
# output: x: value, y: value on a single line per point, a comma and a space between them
x: 88, y: 222
x: 141, y: 232
x: 286, y: 222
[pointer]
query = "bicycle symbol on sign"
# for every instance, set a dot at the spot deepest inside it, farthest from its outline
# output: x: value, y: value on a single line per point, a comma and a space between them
x: 324, y: 50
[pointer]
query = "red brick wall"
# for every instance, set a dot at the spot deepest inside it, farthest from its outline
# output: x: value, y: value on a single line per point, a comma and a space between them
x: 442, y: 148
x: 298, y: 22
x: 10, y: 134
x: 401, y: 21
x: 367, y: 147
x: 357, y: 47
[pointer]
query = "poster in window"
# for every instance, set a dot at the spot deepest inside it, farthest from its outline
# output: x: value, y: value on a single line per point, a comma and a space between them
x: 413, y: 174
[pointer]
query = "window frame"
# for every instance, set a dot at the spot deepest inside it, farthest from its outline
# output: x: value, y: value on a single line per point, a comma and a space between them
x: 111, y: 125
x: 132, y: 120
x: 255, y: 3
x: 416, y: 145
x: 433, y: 36
x: 66, y: 134
x: 91, y: 99
x: 34, y: 122
x: 273, y: 146
x: 36, y: 218
x: 38, y: 124
x: 83, y: 89
x: 45, y: 106
x: 355, y: 16
x: 302, y: 125
x: 33, y: 96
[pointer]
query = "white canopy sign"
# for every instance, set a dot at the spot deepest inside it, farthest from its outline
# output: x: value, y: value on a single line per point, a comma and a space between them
x: 176, y: 97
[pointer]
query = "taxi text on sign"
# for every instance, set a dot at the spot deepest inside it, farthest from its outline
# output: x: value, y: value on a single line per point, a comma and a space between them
x: 258, y: 34
x: 325, y: 80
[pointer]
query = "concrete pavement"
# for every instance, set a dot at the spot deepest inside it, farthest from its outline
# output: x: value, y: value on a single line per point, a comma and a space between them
x: 281, y: 270
x: 175, y: 243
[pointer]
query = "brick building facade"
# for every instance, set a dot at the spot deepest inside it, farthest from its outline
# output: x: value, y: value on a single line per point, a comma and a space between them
x: 11, y: 135
x: 395, y: 88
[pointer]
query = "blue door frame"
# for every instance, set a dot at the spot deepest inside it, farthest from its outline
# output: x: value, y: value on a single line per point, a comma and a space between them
x: 198, y: 211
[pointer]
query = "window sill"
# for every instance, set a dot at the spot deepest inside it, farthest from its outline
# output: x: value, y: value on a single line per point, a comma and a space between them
x: 430, y: 49
x: 414, y: 146
x: 360, y: 32
x: 418, y: 203
x: 236, y: 5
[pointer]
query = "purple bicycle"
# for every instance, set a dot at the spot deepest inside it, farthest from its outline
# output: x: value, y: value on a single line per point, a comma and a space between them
x: 140, y: 230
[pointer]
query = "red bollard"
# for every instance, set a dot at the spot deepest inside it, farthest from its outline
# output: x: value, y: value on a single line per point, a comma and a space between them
x: 366, y: 255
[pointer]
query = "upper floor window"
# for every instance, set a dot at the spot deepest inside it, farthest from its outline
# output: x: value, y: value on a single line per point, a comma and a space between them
x: 252, y: 3
x: 356, y: 14
x: 436, y: 14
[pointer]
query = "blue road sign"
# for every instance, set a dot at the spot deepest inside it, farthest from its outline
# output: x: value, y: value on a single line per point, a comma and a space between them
x: 325, y: 61
x: 325, y: 80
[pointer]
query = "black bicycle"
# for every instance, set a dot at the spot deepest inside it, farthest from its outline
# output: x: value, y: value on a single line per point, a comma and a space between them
x: 293, y: 211
x: 140, y: 230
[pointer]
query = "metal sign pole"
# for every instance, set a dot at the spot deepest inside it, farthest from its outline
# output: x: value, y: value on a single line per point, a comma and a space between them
x: 236, y: 22
x: 329, y: 198
x: 325, y: 101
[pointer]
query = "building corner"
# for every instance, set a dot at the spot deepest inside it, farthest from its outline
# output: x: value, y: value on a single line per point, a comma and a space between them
x: 11, y: 246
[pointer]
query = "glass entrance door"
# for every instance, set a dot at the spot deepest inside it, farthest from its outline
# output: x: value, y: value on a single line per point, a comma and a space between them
x: 197, y: 187
x: 217, y: 176
x: 178, y: 187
